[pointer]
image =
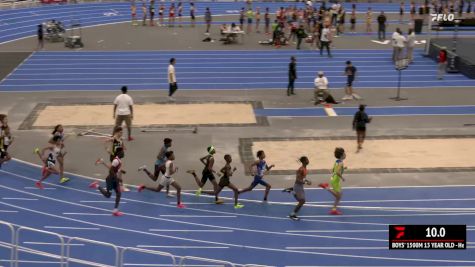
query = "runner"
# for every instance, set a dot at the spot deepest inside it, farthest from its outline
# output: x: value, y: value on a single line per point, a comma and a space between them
x: 113, y: 180
x: 6, y: 139
x: 52, y: 151
x: 337, y: 175
x: 262, y: 169
x: 59, y: 131
x: 298, y: 188
x: 225, y: 181
x: 167, y: 180
x: 350, y: 72
x: 359, y: 125
x: 159, y: 163
x: 113, y: 145
x: 208, y: 172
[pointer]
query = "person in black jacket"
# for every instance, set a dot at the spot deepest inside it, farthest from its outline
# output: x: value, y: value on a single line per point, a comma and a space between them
x: 301, y: 34
x: 359, y: 124
x: 382, y: 26
x: 292, y: 75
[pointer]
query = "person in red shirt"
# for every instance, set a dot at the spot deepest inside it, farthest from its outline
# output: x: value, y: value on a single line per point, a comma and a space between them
x: 442, y: 61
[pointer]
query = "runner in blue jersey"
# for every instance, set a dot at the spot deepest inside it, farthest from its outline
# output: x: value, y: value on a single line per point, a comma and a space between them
x: 261, y: 169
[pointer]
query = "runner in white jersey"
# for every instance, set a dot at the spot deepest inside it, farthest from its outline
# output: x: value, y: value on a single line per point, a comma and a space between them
x: 49, y: 156
x: 167, y: 179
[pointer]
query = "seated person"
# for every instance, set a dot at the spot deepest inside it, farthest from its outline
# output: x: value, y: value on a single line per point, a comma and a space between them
x: 235, y: 28
x: 223, y: 28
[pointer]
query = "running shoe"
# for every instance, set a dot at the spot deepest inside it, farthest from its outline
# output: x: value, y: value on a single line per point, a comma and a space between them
x: 125, y: 189
x: 131, y: 138
x: 238, y: 206
x: 94, y: 185
x: 219, y: 201
x: 198, y: 192
x: 64, y: 180
x: 287, y: 190
x: 294, y: 217
x: 356, y: 96
x: 39, y: 185
x: 140, y: 188
x: 99, y: 161
x: 117, y: 213
x: 142, y: 168
x: 181, y: 206
x: 323, y: 185
x: 335, y: 212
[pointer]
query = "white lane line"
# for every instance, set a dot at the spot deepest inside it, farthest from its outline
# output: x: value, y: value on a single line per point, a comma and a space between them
x: 19, y: 198
x: 205, y: 231
x: 330, y: 111
x: 249, y: 247
x: 50, y: 244
x: 8, y: 211
x: 99, y: 201
x: 334, y: 231
x: 72, y: 228
x: 338, y: 248
x: 198, y: 216
x: 185, y: 247
x: 87, y: 214
x: 36, y: 188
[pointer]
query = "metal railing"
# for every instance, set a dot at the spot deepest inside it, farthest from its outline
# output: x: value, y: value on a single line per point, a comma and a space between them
x: 64, y: 256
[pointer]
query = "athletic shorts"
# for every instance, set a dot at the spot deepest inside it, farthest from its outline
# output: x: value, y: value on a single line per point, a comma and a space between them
x: 112, y: 183
x: 192, y: 17
x: 299, y: 191
x: 249, y: 21
x: 224, y: 181
x: 336, y: 185
x: 50, y: 164
x: 258, y: 180
x: 3, y: 152
x: 165, y: 181
x: 207, y: 175
x: 349, y: 80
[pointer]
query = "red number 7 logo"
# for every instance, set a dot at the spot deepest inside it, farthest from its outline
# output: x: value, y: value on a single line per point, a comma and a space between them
x: 400, y: 229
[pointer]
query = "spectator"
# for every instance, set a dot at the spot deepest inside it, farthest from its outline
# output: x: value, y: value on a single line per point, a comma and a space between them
x: 353, y: 19
x: 325, y: 40
x: 123, y: 111
x: 208, y: 19
x: 250, y: 16
x: 401, y: 12
x: 258, y: 19
x: 321, y: 93
x: 350, y: 72
x: 267, y: 20
x: 40, y: 36
x: 359, y: 125
x: 442, y: 60
x: 172, y: 79
x: 241, y: 18
x: 301, y: 34
x: 292, y: 76
x: 410, y: 43
x: 144, y: 14
x: 382, y: 26
x: 398, y: 41
x: 192, y: 14
x: 151, y: 10
x: 369, y: 20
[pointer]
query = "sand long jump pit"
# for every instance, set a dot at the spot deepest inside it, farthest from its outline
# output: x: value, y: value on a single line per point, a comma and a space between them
x: 380, y: 154
x: 146, y: 115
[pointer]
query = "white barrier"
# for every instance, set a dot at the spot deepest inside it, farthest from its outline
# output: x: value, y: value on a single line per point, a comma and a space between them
x: 83, y: 240
x: 146, y: 251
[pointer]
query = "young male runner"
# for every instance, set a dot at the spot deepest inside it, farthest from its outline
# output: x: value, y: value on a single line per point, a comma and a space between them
x: 116, y: 144
x: 167, y: 179
x: 337, y: 176
x: 208, y: 172
x: 262, y: 169
x: 159, y: 163
x: 6, y: 139
x: 298, y: 188
x: 113, y: 180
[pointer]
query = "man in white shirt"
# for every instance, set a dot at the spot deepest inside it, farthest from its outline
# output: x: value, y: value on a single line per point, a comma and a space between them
x: 123, y: 111
x: 410, y: 43
x: 398, y: 41
x: 321, y: 90
x: 172, y: 79
x: 325, y: 40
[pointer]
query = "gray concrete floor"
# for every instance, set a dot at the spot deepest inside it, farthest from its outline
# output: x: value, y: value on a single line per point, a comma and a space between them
x: 189, y: 147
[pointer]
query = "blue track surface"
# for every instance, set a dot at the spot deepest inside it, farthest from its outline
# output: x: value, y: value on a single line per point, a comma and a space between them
x: 373, y: 111
x: 259, y: 233
x: 222, y: 70
x: 20, y: 23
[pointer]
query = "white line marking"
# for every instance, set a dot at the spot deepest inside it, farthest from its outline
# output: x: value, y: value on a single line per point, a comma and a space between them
x: 206, y: 231
x: 19, y: 198
x: 50, y: 244
x: 36, y: 188
x: 185, y: 247
x: 99, y: 201
x: 330, y: 112
x: 71, y: 228
x: 198, y: 216
x: 8, y: 211
x: 87, y: 214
